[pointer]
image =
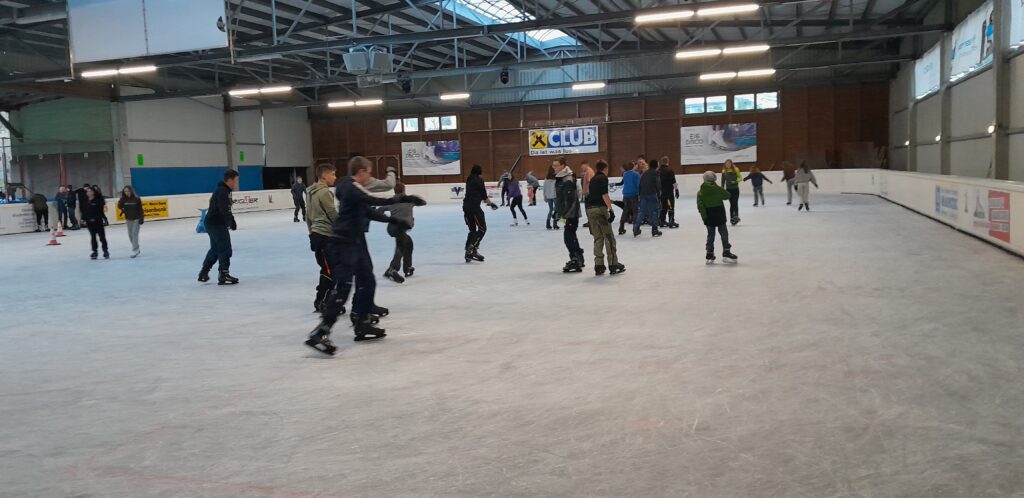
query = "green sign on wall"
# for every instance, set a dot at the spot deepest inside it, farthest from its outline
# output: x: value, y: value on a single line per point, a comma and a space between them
x: 139, y: 159
x: 241, y: 156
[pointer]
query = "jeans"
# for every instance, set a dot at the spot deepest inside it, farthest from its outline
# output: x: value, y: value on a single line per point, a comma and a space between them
x: 403, y: 248
x: 71, y: 214
x: 734, y: 203
x: 62, y: 214
x: 96, y: 230
x: 649, y: 207
x: 43, y: 218
x: 630, y: 204
x: 604, y: 238
x: 552, y: 215
x: 350, y: 261
x: 723, y: 229
x: 516, y: 201
x: 133, y: 233
x: 569, y: 237
x: 300, y: 205
x: 759, y: 193
x: 477, y: 227
x: 789, y: 191
x: 318, y: 244
x: 220, y: 248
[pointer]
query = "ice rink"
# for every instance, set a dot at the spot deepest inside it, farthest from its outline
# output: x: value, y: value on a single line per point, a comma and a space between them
x: 850, y: 353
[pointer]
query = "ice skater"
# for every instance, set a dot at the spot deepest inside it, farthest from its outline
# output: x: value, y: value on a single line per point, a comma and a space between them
x: 61, y: 202
x: 551, y: 198
x: 349, y: 256
x: 757, y: 180
x: 568, y: 206
x: 476, y: 193
x: 92, y: 215
x: 130, y: 206
x: 72, y: 205
x: 669, y: 194
x: 788, y: 175
x: 532, y: 185
x: 321, y: 211
x: 804, y: 177
x: 731, y: 179
x: 402, y: 259
x: 586, y: 174
x: 601, y: 217
x: 515, y: 199
x: 650, y: 190
x: 218, y: 221
x: 503, y: 186
x: 630, y: 196
x: 299, y: 198
x: 42, y: 211
x: 711, y: 205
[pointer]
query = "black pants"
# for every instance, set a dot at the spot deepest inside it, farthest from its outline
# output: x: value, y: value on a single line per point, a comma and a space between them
x: 318, y: 244
x: 517, y: 201
x: 300, y: 205
x: 734, y: 203
x: 43, y: 218
x: 477, y: 226
x: 71, y: 214
x: 630, y: 204
x: 96, y: 230
x: 62, y: 214
x: 572, y: 244
x: 668, y: 210
x: 220, y: 248
x: 403, y: 248
x: 350, y: 262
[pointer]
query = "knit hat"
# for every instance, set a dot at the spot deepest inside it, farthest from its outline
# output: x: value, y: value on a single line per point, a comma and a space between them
x: 709, y: 176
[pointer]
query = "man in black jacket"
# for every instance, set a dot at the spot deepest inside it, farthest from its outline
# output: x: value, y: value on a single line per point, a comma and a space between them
x: 218, y: 221
x: 72, y: 205
x: 669, y: 193
x: 82, y: 200
x: 349, y: 255
x: 299, y: 197
x: 650, y: 188
x: 568, y: 209
x: 476, y: 193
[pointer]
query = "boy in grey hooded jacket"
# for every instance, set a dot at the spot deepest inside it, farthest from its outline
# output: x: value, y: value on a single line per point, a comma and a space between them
x: 403, y: 242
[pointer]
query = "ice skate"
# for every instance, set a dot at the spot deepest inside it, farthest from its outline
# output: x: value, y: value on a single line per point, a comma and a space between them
x: 800, y: 207
x: 225, y: 278
x: 527, y: 222
x: 379, y: 310
x: 616, y: 268
x: 655, y: 232
x: 393, y: 276
x: 734, y: 220
x: 204, y: 275
x: 409, y: 271
x: 135, y: 254
x: 729, y: 257
x: 572, y: 266
x: 366, y: 331
x: 622, y: 231
x: 673, y: 225
x: 599, y: 270
x: 710, y: 259
x: 514, y: 223
x: 319, y: 339
x: 807, y: 207
x: 475, y: 256
x: 373, y: 319
x: 106, y: 254
x: 579, y: 259
x: 93, y: 255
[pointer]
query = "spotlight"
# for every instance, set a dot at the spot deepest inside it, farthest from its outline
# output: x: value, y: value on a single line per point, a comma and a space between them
x: 406, y: 86
x: 504, y: 76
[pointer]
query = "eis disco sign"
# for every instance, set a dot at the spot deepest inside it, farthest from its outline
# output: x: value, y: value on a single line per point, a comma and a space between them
x: 562, y: 141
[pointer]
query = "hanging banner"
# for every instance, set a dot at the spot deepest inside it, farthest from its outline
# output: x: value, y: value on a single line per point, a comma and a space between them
x: 991, y: 212
x: 926, y: 73
x: 443, y: 157
x: 972, y: 42
x: 713, y: 144
x: 1016, y: 38
x: 564, y: 141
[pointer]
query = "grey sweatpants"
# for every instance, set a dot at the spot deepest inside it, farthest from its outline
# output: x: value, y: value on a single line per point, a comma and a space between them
x: 133, y: 233
x: 804, y: 189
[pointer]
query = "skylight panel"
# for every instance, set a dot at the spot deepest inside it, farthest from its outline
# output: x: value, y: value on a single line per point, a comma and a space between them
x: 503, y: 12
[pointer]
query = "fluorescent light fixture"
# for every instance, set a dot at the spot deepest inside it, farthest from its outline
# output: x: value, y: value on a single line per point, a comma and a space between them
x: 991, y: 129
x: 693, y: 54
x: 341, y: 103
x: 136, y: 70
x: 99, y: 73
x: 755, y: 72
x: 664, y: 16
x: 455, y: 96
x: 746, y: 49
x: 732, y: 9
x: 243, y: 92
x: 368, y: 102
x: 276, y: 89
x: 717, y: 76
x: 590, y: 85
x: 938, y: 138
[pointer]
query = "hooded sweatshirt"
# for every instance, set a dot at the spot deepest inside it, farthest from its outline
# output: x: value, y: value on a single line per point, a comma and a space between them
x: 513, y: 189
x: 532, y: 180
x: 731, y: 178
x: 805, y: 176
x: 567, y: 205
x: 711, y: 204
x: 401, y: 211
x: 550, y: 189
x: 650, y: 183
x: 321, y: 211
x: 38, y: 202
x: 630, y: 183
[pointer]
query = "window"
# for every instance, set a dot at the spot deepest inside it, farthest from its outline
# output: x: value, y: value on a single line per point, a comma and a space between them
x: 394, y: 126
x: 718, y: 103
x: 411, y: 124
x: 449, y: 123
x: 488, y: 12
x: 694, y: 105
x: 768, y: 100
x: 743, y: 102
x: 432, y: 123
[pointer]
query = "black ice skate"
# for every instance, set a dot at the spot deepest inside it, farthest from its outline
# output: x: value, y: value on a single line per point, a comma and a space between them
x: 366, y: 331
x: 729, y: 257
x: 622, y: 231
x: 735, y: 220
x: 655, y: 232
x: 710, y: 258
x: 800, y: 207
x: 599, y: 270
x: 572, y: 266
x: 474, y: 256
x: 616, y: 269
x: 106, y: 254
x: 379, y: 310
x: 93, y: 255
x: 409, y: 271
x: 807, y: 207
x: 393, y: 276
x: 373, y: 319
x: 225, y: 278
x: 204, y: 275
x: 319, y: 339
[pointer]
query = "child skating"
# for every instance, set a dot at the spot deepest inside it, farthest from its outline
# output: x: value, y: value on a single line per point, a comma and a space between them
x: 804, y: 177
x: 403, y: 242
x: 515, y: 199
x: 711, y: 205
x: 757, y: 179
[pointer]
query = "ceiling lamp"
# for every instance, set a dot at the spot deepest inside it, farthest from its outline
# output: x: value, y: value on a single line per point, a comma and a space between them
x: 717, y: 76
x: 731, y: 9
x: 664, y: 16
x: 702, y: 52
x: 590, y: 85
x: 746, y: 49
x: 755, y: 72
x: 454, y: 96
x: 99, y: 73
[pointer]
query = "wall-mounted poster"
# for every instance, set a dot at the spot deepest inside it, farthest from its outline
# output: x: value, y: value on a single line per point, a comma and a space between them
x: 713, y: 144
x: 991, y: 212
x: 443, y: 157
x: 926, y: 72
x: 1016, y: 37
x: 973, y: 42
x: 563, y: 141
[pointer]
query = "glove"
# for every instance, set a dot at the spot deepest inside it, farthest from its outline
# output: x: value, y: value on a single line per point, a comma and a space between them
x: 611, y: 216
x: 414, y: 199
x: 400, y: 223
x: 234, y: 226
x: 494, y: 207
x: 391, y: 169
x: 677, y: 193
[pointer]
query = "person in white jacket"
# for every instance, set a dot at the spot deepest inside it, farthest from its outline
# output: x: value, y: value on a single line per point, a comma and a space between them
x: 804, y: 177
x: 550, y: 195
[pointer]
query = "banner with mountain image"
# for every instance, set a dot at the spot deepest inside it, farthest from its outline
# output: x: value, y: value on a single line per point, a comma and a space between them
x: 713, y: 144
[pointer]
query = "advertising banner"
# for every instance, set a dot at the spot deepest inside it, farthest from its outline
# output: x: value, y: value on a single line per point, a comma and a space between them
x: 947, y: 201
x: 972, y: 42
x: 152, y: 209
x: 1016, y: 35
x: 991, y: 212
x: 926, y: 72
x: 713, y: 144
x: 242, y: 202
x: 443, y: 157
x: 459, y: 192
x: 564, y: 141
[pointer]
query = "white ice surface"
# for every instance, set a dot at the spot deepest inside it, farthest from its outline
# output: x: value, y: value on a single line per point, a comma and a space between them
x: 859, y: 350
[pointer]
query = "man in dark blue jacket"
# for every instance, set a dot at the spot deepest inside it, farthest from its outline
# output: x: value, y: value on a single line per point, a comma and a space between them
x: 349, y: 255
x: 218, y: 221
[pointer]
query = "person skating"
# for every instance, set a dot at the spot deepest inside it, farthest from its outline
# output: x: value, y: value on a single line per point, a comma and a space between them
x: 130, y: 206
x: 669, y: 194
x: 630, y: 196
x: 551, y: 197
x: 503, y: 181
x: 349, y: 256
x: 61, y: 201
x: 72, y: 205
x: 711, y: 205
x: 515, y: 199
x: 96, y: 188
x: 788, y: 175
x: 650, y: 189
x: 601, y: 217
x: 82, y: 200
x: 92, y: 215
x: 757, y: 180
x: 321, y: 211
x: 532, y: 185
x: 731, y: 179
x: 586, y: 174
x: 804, y: 177
x: 219, y: 221
x: 568, y: 207
x: 476, y: 193
x: 42, y: 211
x: 402, y: 259
x: 299, y: 198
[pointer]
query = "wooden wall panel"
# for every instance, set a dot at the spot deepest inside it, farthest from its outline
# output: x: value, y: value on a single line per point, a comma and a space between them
x: 593, y: 109
x: 661, y: 138
x: 533, y: 114
x: 506, y: 118
x: 626, y: 109
x: 563, y: 111
x: 474, y: 120
x: 623, y: 139
x: 662, y: 107
x: 821, y: 137
x: 793, y: 104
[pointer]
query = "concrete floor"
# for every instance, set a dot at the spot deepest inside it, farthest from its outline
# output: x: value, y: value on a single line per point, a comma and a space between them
x: 859, y: 350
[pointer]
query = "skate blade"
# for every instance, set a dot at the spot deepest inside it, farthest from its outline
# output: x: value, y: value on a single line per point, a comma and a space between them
x: 327, y: 350
x: 730, y: 261
x: 361, y: 338
x: 709, y: 262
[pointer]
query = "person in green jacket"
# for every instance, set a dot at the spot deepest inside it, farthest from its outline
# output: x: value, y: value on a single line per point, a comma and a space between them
x: 732, y: 177
x: 711, y: 205
x: 321, y: 212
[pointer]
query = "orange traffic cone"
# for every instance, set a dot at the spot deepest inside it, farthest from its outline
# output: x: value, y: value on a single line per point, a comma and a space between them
x: 53, y: 238
x: 60, y: 229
